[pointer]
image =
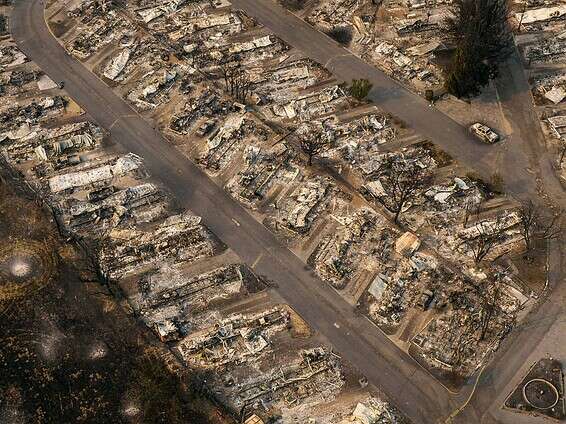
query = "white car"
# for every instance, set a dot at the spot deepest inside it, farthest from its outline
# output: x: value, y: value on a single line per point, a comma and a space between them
x: 484, y: 133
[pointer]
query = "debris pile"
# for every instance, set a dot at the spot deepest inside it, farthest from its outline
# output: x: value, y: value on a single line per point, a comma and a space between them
x: 304, y: 205
x: 233, y: 340
x: 262, y: 170
x: 361, y: 237
x: 472, y: 326
x: 315, y: 376
x: 401, y: 38
x: 180, y: 238
x: 374, y: 411
x: 170, y: 302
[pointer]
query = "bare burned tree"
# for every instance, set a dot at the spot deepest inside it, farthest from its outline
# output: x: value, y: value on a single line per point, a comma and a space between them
x: 313, y: 145
x: 466, y: 330
x: 402, y: 182
x: 552, y: 228
x: 490, y: 296
x: 471, y: 208
x: 530, y: 216
x: 313, y: 139
x: 535, y: 226
x: 490, y: 234
x: 236, y: 80
x: 243, y: 87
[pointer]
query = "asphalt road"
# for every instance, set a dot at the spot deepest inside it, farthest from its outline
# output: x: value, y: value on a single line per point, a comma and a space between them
x: 414, y: 391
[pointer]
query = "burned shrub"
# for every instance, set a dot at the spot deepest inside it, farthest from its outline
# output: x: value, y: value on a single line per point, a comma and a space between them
x: 341, y: 34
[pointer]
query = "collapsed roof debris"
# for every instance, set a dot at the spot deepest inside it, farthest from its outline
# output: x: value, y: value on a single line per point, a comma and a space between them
x: 104, y: 172
x: 10, y: 57
x: 167, y: 59
x: 262, y: 170
x: 558, y: 125
x: 547, y: 51
x: 304, y: 205
x: 117, y: 64
x: 471, y: 328
x: 315, y: 375
x: 543, y: 14
x: 373, y: 411
x: 180, y: 238
x: 171, y: 303
x: 234, y: 339
x: 339, y: 255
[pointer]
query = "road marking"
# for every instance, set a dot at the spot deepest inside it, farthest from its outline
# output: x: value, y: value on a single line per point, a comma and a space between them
x: 257, y: 260
x: 451, y: 417
x: 326, y: 65
x: 113, y: 123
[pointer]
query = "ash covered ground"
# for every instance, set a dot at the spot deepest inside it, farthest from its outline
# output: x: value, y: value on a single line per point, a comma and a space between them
x: 69, y: 353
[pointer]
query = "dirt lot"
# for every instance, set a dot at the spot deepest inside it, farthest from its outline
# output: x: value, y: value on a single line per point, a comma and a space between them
x: 69, y: 352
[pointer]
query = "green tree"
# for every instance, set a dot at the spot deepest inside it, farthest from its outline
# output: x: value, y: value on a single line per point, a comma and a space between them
x: 466, y: 74
x: 481, y: 33
x: 360, y: 88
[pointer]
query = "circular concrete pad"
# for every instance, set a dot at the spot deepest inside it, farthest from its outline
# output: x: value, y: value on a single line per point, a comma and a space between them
x: 540, y: 394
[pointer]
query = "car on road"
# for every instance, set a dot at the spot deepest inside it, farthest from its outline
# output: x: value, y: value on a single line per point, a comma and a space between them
x: 484, y: 133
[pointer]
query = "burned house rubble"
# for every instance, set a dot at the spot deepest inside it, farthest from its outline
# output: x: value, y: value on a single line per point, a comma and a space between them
x: 387, y: 224
x: 177, y: 277
x: 543, y: 48
x: 358, y: 237
x: 180, y: 238
x: 93, y: 34
x: 234, y: 339
x: 399, y: 37
x: 470, y: 328
x: 311, y: 376
x: 382, y: 215
x: 16, y: 119
x: 171, y: 303
x: 263, y: 171
x: 360, y: 410
x: 10, y: 57
x: 298, y: 212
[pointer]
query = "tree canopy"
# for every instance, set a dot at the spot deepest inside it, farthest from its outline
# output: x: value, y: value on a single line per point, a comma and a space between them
x: 483, y: 39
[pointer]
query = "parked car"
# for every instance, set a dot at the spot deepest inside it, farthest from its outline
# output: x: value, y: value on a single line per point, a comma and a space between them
x: 61, y: 84
x: 484, y: 133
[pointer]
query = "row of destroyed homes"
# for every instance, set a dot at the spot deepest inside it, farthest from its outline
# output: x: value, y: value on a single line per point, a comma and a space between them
x: 207, y: 307
x: 421, y: 245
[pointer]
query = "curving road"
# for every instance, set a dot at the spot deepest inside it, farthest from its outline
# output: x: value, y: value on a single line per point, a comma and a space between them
x: 414, y: 391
